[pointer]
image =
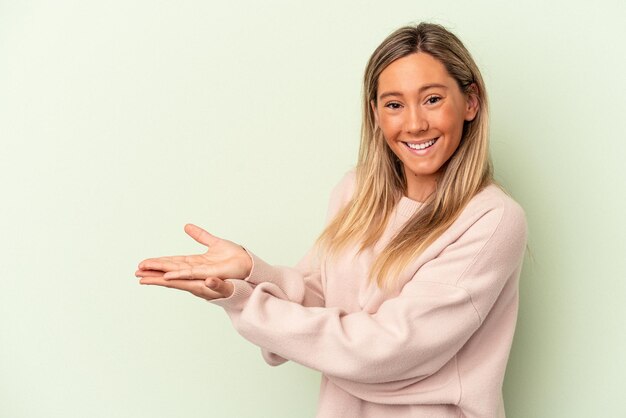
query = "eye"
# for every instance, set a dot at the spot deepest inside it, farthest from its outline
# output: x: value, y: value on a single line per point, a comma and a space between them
x: 393, y: 105
x: 433, y: 99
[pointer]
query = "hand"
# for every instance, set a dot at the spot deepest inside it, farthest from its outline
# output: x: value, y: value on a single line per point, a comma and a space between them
x: 223, y: 260
x: 208, y: 289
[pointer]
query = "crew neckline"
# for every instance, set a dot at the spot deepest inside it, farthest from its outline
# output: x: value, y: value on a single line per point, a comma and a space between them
x: 407, y: 206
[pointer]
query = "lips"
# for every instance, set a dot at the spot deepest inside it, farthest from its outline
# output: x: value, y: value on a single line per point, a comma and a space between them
x: 418, y: 146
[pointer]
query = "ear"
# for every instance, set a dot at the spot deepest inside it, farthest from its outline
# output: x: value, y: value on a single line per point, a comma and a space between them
x: 472, y: 102
x: 373, y: 104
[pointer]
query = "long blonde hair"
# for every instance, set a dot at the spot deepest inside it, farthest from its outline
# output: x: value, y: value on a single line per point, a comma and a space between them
x: 380, y: 178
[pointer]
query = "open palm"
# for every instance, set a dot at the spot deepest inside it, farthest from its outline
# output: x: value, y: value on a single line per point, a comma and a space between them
x: 222, y: 260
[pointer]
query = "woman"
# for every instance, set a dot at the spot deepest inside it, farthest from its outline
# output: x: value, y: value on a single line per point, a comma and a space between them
x: 407, y: 303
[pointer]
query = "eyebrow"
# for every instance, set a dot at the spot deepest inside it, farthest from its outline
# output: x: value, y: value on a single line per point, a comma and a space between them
x: 421, y: 89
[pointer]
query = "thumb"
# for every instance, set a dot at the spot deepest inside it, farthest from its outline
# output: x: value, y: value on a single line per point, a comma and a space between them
x: 200, y: 235
x: 225, y: 289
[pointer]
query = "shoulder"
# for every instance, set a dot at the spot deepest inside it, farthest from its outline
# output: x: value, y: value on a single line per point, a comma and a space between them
x: 346, y: 185
x: 342, y: 192
x: 496, y: 217
x: 492, y: 199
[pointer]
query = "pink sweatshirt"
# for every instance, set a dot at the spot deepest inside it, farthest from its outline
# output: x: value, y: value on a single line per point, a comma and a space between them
x: 437, y: 347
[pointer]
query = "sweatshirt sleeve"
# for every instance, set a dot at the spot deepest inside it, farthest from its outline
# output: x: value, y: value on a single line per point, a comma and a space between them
x: 412, y: 335
x: 302, y: 283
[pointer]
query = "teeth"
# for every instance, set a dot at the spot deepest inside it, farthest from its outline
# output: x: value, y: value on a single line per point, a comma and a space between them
x: 422, y: 146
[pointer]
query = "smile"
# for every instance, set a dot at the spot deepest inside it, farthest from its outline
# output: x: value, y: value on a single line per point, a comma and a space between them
x: 422, y: 146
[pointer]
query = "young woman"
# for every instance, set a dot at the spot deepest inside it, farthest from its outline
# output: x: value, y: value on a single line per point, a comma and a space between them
x: 407, y: 304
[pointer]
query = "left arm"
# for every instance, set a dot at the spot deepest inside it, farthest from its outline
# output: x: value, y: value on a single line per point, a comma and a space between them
x: 412, y: 335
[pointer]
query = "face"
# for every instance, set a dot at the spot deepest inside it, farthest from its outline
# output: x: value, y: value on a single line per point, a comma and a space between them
x: 421, y: 110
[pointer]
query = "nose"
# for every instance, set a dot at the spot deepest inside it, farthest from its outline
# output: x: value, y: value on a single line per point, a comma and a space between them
x: 415, y: 120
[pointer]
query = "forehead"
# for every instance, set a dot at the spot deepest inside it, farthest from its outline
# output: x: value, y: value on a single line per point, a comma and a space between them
x: 412, y: 71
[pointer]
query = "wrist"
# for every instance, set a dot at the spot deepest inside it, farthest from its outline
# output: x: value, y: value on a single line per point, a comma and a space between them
x: 247, y: 264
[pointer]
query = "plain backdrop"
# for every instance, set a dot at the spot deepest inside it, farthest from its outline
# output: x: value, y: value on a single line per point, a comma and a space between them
x: 122, y: 120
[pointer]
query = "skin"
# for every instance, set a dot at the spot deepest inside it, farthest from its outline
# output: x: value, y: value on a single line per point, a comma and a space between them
x: 408, y: 111
x: 202, y: 275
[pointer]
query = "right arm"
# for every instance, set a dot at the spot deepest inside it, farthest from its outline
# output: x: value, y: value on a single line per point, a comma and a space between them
x: 302, y: 284
x: 199, y: 274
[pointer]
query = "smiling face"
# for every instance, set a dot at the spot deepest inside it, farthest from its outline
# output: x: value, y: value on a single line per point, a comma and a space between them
x: 421, y: 110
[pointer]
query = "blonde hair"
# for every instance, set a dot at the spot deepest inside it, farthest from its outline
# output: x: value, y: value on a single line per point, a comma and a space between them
x: 380, y: 178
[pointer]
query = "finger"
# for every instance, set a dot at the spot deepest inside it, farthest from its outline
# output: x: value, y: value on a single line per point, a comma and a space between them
x: 171, y: 284
x: 148, y: 273
x: 196, y: 272
x: 195, y: 287
x: 200, y: 235
x: 189, y: 259
x: 222, y: 287
x: 163, y: 264
x: 149, y: 263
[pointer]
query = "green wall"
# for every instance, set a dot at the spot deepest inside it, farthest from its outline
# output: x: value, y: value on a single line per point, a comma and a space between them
x: 120, y: 121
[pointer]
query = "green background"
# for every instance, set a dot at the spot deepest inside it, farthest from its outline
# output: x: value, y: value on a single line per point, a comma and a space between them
x: 120, y: 121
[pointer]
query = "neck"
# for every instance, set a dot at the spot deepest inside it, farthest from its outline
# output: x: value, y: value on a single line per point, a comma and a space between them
x: 420, y: 187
